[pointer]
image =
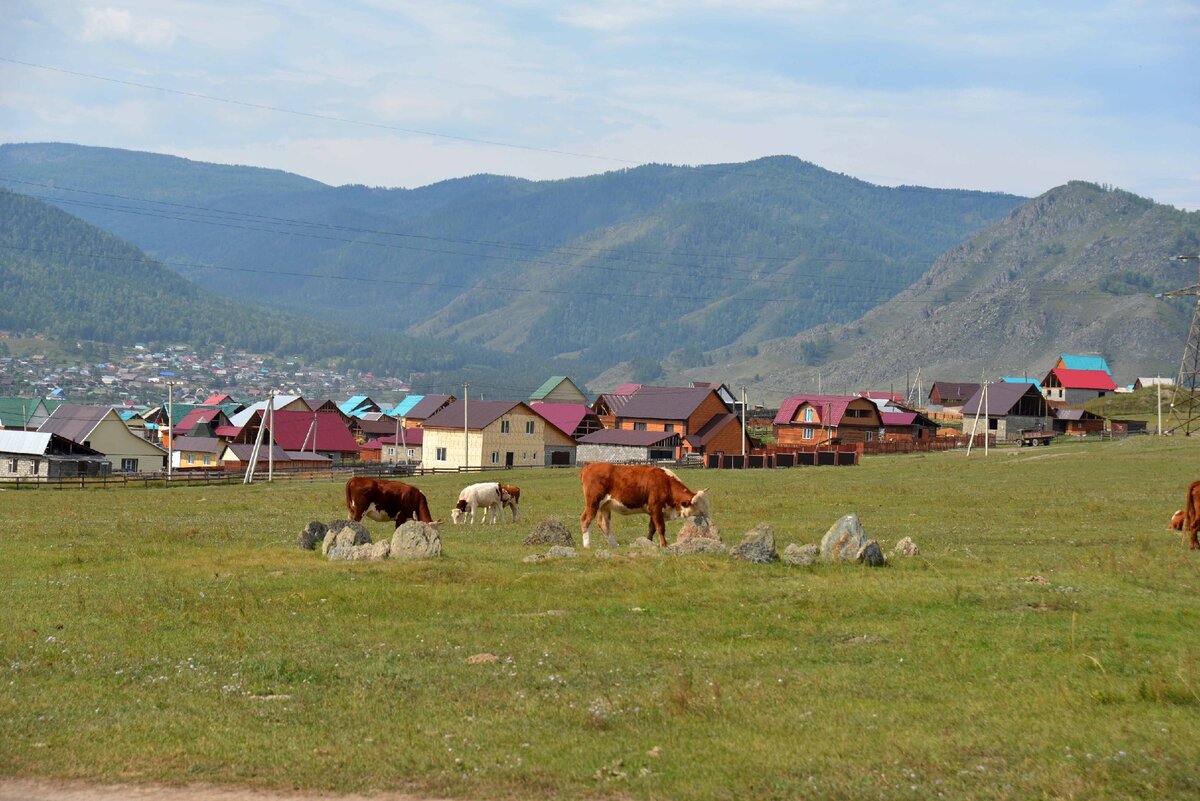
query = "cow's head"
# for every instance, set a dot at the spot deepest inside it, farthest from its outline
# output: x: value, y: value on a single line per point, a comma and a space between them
x: 459, y: 512
x: 1177, y: 521
x: 698, y: 507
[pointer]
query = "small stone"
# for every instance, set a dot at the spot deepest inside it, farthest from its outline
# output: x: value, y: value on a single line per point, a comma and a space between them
x: 312, y: 535
x: 843, y: 540
x: 561, y: 552
x: 698, y: 545
x: 801, y: 555
x: 482, y: 659
x: 871, y: 554
x: 1036, y: 580
x: 550, y: 531
x: 698, y: 528
x: 604, y: 553
x: 361, y: 553
x: 644, y: 547
x: 534, y: 557
x: 906, y: 547
x: 757, y: 545
x: 416, y: 540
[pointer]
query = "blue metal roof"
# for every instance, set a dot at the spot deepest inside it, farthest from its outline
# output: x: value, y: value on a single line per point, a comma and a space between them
x: 405, y: 406
x: 1084, y: 363
x: 351, y: 406
x: 1012, y: 380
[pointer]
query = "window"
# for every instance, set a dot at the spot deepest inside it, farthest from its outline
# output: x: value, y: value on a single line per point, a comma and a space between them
x: 669, y: 427
x: 207, y: 459
x: 37, y: 467
x: 495, y: 457
x: 441, y: 454
x: 12, y: 465
x: 808, y: 415
x: 191, y: 458
x: 870, y: 436
x: 411, y: 453
x: 529, y: 426
x: 503, y: 426
x: 129, y: 465
x: 639, y: 426
x: 808, y: 432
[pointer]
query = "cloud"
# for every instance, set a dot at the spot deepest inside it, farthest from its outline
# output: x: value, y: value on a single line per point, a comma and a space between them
x: 113, y: 24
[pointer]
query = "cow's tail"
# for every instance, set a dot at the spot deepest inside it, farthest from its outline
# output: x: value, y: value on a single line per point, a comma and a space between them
x: 423, y: 510
x: 350, y: 502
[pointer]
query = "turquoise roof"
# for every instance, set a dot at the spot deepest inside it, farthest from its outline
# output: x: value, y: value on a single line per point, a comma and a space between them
x: 405, y: 406
x: 352, y: 405
x: 1012, y: 380
x: 1085, y: 363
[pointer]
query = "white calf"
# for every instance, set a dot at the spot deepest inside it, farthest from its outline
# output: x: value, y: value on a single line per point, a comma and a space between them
x: 487, y: 495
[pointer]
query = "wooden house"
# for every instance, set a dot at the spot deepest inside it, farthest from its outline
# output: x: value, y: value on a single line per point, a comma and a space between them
x: 1077, y: 422
x: 810, y: 420
x: 196, y: 453
x: 906, y: 425
x: 703, y: 417
x: 558, y: 389
x: 493, y: 434
x: 950, y: 395
x: 41, y: 454
x: 407, y: 449
x: 102, y: 429
x: 1010, y: 408
x: 314, y: 432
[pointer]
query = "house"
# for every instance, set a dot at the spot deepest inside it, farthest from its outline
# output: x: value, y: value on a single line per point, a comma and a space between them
x: 373, y: 425
x: 284, y: 403
x: 558, y: 389
x: 623, y: 445
x: 407, y: 450
x: 608, y: 404
x: 703, y: 416
x: 1142, y: 383
x: 1078, y: 422
x: 40, y: 454
x: 1091, y: 362
x: 1071, y: 387
x: 102, y: 429
x: 202, y: 421
x: 497, y: 434
x: 317, y: 432
x: 24, y: 413
x: 950, y: 395
x: 807, y: 420
x: 423, y: 409
x: 577, y: 419
x: 196, y: 453
x: 236, y: 456
x: 899, y: 424
x: 358, y: 405
x: 1009, y: 409
x: 218, y: 399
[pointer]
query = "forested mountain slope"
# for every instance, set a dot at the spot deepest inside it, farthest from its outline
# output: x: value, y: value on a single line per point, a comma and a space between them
x: 645, y: 263
x: 1072, y: 271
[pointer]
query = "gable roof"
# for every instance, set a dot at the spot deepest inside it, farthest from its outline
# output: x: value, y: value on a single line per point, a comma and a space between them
x: 665, y: 403
x: 76, y: 422
x: 402, y: 408
x: 1072, y: 362
x: 197, y: 416
x: 17, y: 412
x: 552, y: 384
x: 1002, y: 397
x: 218, y: 398
x: 831, y: 407
x: 1010, y: 379
x: 953, y: 390
x: 1084, y: 379
x: 566, y: 417
x: 480, y: 414
x: 37, y: 443
x: 295, y: 431
x: 244, y: 416
x: 711, y: 429
x: 409, y: 437
x: 198, y: 444
x: 429, y: 406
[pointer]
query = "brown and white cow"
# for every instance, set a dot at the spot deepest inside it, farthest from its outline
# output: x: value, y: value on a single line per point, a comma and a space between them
x: 635, y: 489
x: 1191, y: 515
x: 486, y: 495
x: 511, y: 498
x: 380, y: 499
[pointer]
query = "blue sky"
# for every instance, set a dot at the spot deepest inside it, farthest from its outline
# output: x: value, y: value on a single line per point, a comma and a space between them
x: 1011, y: 96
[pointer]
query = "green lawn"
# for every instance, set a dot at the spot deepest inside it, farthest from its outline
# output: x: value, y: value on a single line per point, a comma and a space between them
x: 181, y: 636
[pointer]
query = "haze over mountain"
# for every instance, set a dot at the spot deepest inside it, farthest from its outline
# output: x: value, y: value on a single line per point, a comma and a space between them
x: 774, y: 273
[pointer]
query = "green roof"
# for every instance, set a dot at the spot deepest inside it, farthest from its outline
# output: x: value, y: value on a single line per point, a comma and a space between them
x: 551, y: 384
x: 15, y: 412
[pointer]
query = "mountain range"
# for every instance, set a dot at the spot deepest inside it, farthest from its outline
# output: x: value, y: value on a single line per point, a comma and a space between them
x: 774, y: 273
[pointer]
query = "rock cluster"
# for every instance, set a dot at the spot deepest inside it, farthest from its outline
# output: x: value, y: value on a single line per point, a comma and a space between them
x: 348, y: 541
x: 757, y: 545
x: 698, y: 528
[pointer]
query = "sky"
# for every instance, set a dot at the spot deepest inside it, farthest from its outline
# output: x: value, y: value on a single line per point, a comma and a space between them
x: 1016, y: 97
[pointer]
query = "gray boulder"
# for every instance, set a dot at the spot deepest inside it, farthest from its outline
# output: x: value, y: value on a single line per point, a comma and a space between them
x: 361, y: 553
x: 416, y: 540
x: 561, y: 552
x: 550, y: 531
x: 843, y: 540
x: 312, y: 535
x: 757, y: 545
x: 906, y: 547
x: 333, y: 530
x: 698, y: 545
x: 698, y: 528
x: 871, y: 554
x: 801, y: 555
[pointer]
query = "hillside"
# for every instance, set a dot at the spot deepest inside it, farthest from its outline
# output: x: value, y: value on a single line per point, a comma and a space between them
x: 592, y: 269
x: 1073, y: 270
x: 70, y: 280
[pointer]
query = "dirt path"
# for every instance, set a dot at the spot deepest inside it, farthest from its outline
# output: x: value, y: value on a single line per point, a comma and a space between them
x: 62, y: 790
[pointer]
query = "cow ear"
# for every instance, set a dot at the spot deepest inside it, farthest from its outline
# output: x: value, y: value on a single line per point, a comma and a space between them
x: 701, y: 492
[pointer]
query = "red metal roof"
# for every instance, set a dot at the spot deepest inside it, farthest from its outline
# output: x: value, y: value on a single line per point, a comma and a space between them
x: 293, y: 431
x: 566, y: 417
x: 830, y: 407
x: 1084, y: 379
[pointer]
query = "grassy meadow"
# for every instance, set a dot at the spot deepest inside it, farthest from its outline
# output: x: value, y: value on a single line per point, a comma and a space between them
x: 179, y: 636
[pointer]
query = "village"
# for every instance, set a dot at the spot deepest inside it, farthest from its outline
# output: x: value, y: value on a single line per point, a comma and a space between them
x: 558, y: 425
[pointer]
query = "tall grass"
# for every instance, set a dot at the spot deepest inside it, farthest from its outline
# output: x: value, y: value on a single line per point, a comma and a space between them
x: 181, y: 636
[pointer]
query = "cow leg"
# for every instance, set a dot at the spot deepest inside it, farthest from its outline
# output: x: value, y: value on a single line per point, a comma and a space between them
x: 585, y: 525
x: 659, y: 524
x: 605, y: 520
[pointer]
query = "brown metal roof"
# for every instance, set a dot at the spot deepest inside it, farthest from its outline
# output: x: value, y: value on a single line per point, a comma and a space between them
x: 624, y: 436
x: 664, y: 403
x: 481, y: 414
x: 75, y: 422
x: 429, y: 406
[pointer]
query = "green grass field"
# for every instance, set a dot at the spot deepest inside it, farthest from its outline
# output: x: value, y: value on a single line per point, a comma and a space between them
x: 178, y: 636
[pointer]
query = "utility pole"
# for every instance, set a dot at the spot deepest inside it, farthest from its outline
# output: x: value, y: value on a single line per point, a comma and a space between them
x: 743, y: 425
x: 1185, y: 405
x: 170, y: 427
x: 271, y: 441
x: 1158, y: 397
x: 396, y: 443
x: 466, y: 436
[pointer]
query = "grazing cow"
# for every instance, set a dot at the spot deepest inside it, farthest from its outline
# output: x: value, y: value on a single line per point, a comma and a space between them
x: 513, y: 501
x: 635, y: 489
x: 1176, y: 521
x: 379, y: 499
x: 1191, y: 515
x: 488, y: 495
